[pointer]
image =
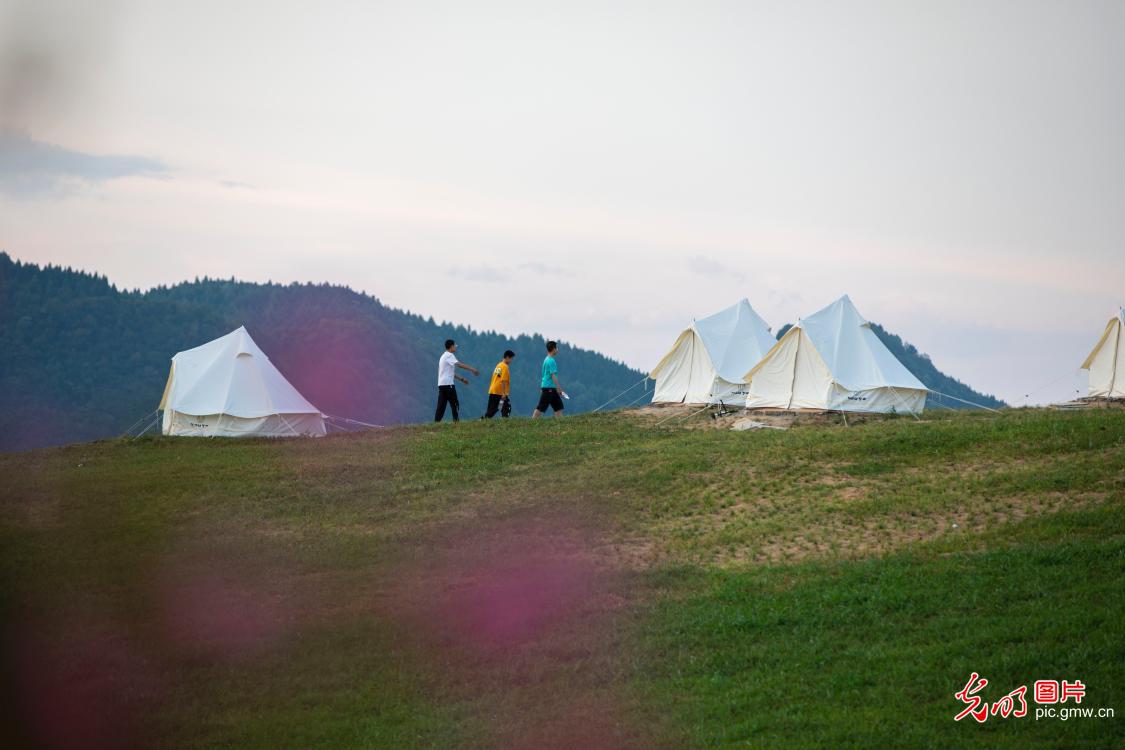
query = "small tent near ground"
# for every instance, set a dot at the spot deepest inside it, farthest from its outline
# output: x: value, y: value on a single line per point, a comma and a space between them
x: 710, y: 357
x: 833, y: 361
x: 229, y: 388
x: 1106, y: 362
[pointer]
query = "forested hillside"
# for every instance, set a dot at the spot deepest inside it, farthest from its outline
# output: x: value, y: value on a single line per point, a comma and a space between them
x: 81, y: 359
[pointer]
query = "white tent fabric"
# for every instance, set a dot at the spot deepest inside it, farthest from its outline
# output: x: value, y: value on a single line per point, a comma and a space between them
x: 709, y: 359
x: 228, y: 387
x: 1106, y: 362
x: 832, y: 360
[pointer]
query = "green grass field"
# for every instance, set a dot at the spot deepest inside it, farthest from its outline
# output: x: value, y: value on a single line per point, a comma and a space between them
x: 589, y: 582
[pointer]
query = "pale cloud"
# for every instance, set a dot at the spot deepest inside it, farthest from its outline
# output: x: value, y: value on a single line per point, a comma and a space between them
x: 711, y: 268
x: 791, y: 297
x: 483, y: 274
x: 236, y: 185
x: 30, y: 168
x: 545, y: 269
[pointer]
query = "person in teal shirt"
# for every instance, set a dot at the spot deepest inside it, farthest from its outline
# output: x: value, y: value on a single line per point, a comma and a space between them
x: 551, y: 392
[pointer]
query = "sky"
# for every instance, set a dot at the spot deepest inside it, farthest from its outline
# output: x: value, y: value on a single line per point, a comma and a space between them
x: 597, y: 172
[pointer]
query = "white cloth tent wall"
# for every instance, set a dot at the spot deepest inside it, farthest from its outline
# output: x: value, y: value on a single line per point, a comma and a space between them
x: 709, y: 359
x: 833, y: 361
x: 1106, y: 362
x: 229, y: 388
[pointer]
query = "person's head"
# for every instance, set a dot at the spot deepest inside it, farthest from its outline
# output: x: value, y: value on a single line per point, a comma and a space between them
x: 450, y: 345
x: 509, y: 355
x: 552, y: 348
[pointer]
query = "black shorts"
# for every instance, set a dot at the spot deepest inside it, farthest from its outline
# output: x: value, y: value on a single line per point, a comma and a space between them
x: 549, y: 397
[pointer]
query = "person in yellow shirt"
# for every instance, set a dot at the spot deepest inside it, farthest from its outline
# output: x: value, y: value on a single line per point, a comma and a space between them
x: 500, y: 388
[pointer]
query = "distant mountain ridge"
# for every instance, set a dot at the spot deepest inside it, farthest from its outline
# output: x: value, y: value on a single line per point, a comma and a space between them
x: 81, y: 359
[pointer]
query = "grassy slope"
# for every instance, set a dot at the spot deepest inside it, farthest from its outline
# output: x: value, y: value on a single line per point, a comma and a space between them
x: 804, y: 588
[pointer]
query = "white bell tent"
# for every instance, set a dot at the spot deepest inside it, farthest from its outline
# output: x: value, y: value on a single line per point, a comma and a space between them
x: 229, y: 388
x: 1106, y: 362
x: 709, y: 359
x: 833, y: 361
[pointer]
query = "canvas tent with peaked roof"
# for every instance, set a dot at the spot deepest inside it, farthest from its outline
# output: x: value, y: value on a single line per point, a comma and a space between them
x: 1106, y: 362
x: 710, y: 357
x: 833, y: 361
x: 229, y: 388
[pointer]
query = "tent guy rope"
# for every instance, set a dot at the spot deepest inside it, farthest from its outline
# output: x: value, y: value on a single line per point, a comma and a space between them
x: 637, y: 400
x: 149, y: 426
x: 354, y: 421
x: 138, y: 422
x: 970, y: 403
x: 619, y: 395
x: 1072, y: 374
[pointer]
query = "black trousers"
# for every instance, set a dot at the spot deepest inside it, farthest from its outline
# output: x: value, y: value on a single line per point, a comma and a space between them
x: 447, y: 394
x: 494, y: 403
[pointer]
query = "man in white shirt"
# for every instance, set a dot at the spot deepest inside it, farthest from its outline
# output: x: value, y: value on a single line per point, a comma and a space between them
x: 446, y: 374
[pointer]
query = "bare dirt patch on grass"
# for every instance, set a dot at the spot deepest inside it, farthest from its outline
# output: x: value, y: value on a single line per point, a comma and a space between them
x: 700, y: 417
x: 842, y: 487
x: 839, y: 535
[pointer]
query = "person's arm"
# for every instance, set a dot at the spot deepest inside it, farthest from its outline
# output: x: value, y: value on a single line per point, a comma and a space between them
x: 507, y: 382
x: 555, y: 377
x: 470, y: 368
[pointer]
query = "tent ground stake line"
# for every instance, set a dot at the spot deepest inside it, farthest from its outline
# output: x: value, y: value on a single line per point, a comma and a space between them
x: 133, y: 426
x: 636, y: 400
x: 619, y: 395
x: 148, y: 427
x: 1026, y: 396
x: 970, y: 403
x: 353, y: 421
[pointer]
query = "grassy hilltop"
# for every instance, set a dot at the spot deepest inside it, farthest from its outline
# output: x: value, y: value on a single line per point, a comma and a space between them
x: 590, y: 582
